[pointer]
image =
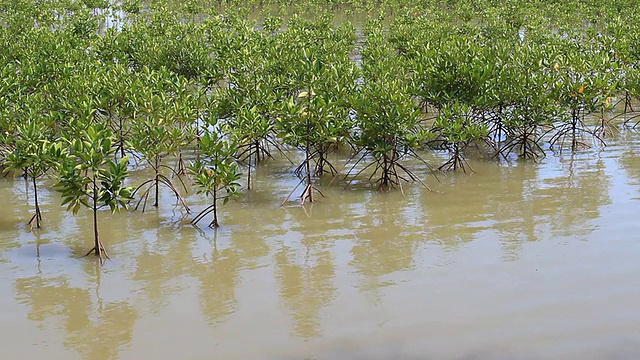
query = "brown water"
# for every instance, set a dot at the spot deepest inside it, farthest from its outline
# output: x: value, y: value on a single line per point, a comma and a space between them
x: 516, y: 261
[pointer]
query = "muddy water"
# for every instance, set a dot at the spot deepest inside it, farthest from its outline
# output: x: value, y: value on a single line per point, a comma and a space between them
x: 516, y: 261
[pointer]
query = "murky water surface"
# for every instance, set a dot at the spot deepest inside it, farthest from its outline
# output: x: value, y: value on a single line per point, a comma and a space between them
x: 516, y: 261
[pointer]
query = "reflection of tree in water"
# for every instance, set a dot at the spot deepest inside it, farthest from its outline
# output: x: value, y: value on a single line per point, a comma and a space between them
x: 17, y: 205
x: 512, y: 214
x: 159, y: 261
x: 630, y: 162
x: 306, y: 283
x: 568, y: 201
x: 103, y: 337
x: 384, y: 243
x: 249, y: 239
x: 532, y: 199
x: 95, y: 329
x: 459, y: 212
x: 238, y: 245
x: 304, y: 264
x: 537, y: 201
x: 218, y: 275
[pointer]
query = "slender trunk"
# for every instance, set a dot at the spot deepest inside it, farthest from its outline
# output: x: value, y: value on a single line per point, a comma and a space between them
x: 96, y: 238
x: 38, y: 216
x: 214, y: 224
x: 308, y: 159
x: 309, y: 186
x: 308, y: 165
x: 384, y: 184
x: 321, y: 160
x: 198, y: 138
x: 181, y: 166
x: 524, y: 144
x: 456, y: 156
x: 157, y: 181
x: 574, y: 124
x: 121, y: 138
x: 249, y: 172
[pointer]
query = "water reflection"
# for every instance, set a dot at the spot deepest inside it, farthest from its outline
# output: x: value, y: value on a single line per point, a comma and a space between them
x: 355, y: 255
x: 568, y: 200
x: 385, y: 241
x: 304, y: 262
x: 218, y: 274
x: 629, y: 159
x: 95, y: 328
x: 305, y: 277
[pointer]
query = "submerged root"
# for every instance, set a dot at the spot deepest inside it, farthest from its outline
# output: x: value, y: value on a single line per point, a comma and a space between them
x: 99, y: 251
x: 456, y: 162
x: 35, y: 220
x: 181, y: 167
x: 307, y: 194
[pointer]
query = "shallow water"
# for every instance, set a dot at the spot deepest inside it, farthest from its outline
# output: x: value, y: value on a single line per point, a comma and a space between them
x: 515, y: 261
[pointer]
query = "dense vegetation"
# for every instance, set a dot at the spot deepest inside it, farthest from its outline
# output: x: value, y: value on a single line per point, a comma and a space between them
x: 92, y: 90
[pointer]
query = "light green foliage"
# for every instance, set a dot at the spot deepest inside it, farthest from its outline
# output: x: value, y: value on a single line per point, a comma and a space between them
x: 89, y: 177
x: 216, y: 173
x: 457, y: 127
x: 29, y: 150
x: 386, y: 114
x: 508, y: 78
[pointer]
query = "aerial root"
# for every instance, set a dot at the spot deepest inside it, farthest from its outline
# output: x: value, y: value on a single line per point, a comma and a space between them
x: 99, y: 251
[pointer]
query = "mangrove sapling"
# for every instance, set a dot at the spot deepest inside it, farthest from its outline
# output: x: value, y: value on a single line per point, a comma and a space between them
x: 302, y: 127
x: 215, y: 173
x: 526, y: 123
x: 317, y: 120
x: 524, y: 138
x: 33, y: 154
x: 254, y: 134
x: 388, y: 119
x: 390, y: 128
x: 246, y: 107
x: 154, y: 140
x: 457, y: 128
x: 573, y: 126
x: 605, y: 127
x: 90, y: 177
x: 117, y: 88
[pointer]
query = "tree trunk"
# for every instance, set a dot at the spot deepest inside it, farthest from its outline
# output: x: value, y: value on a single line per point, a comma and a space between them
x: 249, y: 171
x: 309, y: 188
x: 98, y: 248
x: 121, y: 138
x: 97, y: 245
x: 214, y: 224
x: 157, y: 183
x: 38, y: 215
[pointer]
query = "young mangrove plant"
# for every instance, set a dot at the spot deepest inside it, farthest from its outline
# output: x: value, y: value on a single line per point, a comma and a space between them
x: 89, y: 177
x: 116, y: 88
x: 582, y: 81
x: 154, y: 140
x: 215, y: 173
x: 390, y: 128
x: 33, y: 155
x: 255, y: 136
x: 317, y: 120
x: 457, y: 127
x: 387, y: 117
